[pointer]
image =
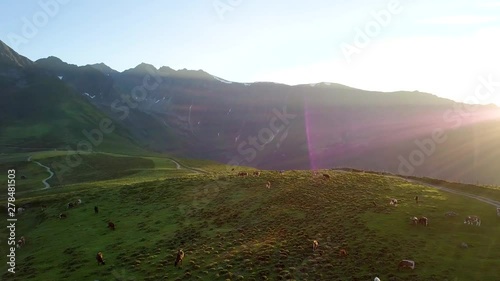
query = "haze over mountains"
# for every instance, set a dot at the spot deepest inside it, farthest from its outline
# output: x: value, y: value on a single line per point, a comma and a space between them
x: 52, y: 104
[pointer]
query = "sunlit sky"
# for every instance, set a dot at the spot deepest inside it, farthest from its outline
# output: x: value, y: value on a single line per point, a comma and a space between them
x: 440, y: 47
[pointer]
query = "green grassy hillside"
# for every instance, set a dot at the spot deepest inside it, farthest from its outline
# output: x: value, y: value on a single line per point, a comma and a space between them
x: 233, y: 228
x: 47, y: 114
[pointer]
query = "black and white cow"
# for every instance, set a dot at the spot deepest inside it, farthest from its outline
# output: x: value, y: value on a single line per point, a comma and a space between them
x: 406, y: 264
x: 473, y: 220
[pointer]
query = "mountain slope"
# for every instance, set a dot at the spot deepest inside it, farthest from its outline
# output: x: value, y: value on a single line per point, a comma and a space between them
x: 274, y: 126
x: 9, y: 57
x: 39, y: 111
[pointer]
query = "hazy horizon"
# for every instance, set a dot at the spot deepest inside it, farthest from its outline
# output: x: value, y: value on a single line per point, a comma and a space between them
x: 376, y: 46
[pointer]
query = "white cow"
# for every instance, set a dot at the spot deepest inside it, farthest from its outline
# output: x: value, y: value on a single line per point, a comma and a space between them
x: 376, y: 279
x: 268, y: 184
x: 315, y: 245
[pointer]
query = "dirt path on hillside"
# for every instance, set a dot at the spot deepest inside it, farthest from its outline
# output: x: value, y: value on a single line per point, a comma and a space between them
x: 176, y: 163
x: 473, y: 196
x: 45, y: 183
x: 196, y: 170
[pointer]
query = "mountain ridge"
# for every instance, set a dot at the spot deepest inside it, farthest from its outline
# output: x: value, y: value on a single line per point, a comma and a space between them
x: 192, y: 113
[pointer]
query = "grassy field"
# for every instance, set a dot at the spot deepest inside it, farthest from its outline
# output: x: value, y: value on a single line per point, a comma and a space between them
x: 233, y: 228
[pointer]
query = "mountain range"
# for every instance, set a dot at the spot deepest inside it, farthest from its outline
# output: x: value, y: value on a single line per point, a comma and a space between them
x: 50, y: 104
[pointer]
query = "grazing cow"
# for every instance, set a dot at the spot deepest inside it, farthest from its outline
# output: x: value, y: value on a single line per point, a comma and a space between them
x: 464, y: 245
x: 20, y: 210
x: 414, y: 220
x: 393, y: 202
x: 406, y: 264
x: 256, y: 173
x: 343, y: 253
x: 242, y: 174
x: 315, y: 245
x: 473, y: 220
x: 282, y: 172
x: 498, y: 211
x: 179, y: 258
x: 326, y: 176
x: 268, y: 184
x: 423, y: 221
x: 100, y: 259
x: 96, y: 210
x: 71, y: 205
x: 451, y: 214
x: 21, y: 242
x: 376, y: 279
x: 111, y: 225
x: 78, y: 202
x: 62, y: 216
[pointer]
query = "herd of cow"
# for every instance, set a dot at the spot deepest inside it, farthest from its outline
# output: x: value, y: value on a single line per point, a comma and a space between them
x: 99, y: 257
x: 471, y: 220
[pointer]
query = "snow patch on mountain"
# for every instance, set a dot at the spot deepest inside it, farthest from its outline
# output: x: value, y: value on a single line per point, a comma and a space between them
x: 222, y: 80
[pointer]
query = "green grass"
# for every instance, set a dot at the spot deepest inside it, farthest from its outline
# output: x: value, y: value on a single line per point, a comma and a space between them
x: 234, y: 228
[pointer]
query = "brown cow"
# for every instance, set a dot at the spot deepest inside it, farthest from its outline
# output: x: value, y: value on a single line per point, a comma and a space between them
x: 423, y: 221
x: 326, y: 176
x: 100, y: 259
x: 111, y: 225
x: 256, y: 173
x: 406, y: 264
x: 242, y: 174
x: 21, y: 242
x: 179, y: 258
x: 343, y: 253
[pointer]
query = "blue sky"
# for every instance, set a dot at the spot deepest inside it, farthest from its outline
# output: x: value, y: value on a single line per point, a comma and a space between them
x: 441, y: 48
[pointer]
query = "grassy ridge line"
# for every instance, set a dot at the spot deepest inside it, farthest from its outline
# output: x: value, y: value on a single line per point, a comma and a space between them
x: 488, y: 192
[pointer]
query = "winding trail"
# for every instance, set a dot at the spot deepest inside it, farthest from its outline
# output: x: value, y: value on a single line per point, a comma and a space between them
x: 45, y: 183
x: 179, y: 166
x: 442, y: 188
x: 473, y: 196
x: 176, y: 163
